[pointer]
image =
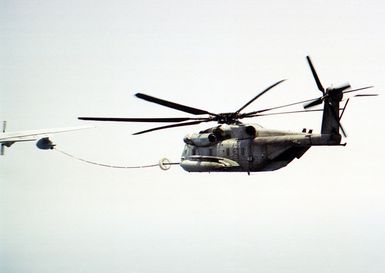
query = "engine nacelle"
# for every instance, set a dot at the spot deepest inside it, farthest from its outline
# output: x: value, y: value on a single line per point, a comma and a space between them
x: 251, y: 131
x: 201, y: 140
x: 45, y: 144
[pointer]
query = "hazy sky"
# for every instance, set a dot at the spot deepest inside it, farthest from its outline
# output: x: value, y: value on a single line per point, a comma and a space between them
x: 324, y: 213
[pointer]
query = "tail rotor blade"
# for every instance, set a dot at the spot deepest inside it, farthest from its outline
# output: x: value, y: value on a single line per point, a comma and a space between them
x: 341, y: 88
x: 315, y: 75
x: 314, y: 103
x: 337, y: 119
x: 342, y: 129
x: 366, y: 95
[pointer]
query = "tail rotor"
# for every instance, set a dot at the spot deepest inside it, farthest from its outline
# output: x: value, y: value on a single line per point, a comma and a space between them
x: 331, y: 97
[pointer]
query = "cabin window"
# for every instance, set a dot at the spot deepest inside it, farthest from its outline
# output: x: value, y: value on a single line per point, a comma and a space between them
x: 228, y: 151
x: 194, y: 151
x: 210, y: 152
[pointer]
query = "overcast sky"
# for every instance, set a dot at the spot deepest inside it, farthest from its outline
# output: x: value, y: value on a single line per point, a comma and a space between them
x: 324, y: 213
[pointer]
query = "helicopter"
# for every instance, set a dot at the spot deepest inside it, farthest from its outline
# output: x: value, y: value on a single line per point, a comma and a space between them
x: 234, y: 146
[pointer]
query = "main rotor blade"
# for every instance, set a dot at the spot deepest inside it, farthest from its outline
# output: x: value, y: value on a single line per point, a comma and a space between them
x: 173, y: 105
x: 358, y: 89
x: 274, y: 108
x: 366, y: 95
x: 139, y: 119
x: 284, y: 113
x: 172, y: 126
x: 257, y: 96
x: 316, y: 78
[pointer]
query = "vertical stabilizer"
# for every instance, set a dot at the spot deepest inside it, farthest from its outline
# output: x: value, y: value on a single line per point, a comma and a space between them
x: 331, y: 114
x: 331, y: 98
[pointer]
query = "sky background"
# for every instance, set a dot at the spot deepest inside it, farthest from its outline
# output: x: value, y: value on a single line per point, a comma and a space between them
x: 324, y: 213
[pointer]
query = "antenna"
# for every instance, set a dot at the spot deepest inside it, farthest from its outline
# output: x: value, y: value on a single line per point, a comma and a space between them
x: 2, y: 147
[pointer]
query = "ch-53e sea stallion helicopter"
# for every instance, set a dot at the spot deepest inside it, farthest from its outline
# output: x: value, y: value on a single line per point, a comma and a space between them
x: 233, y: 146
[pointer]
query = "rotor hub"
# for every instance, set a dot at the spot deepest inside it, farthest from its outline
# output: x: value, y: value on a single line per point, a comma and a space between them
x: 227, y: 118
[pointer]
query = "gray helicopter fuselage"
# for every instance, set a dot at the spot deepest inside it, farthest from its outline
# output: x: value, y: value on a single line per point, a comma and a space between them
x: 247, y: 148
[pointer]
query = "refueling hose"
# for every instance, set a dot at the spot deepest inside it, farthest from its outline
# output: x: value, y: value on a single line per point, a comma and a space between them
x: 164, y: 163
